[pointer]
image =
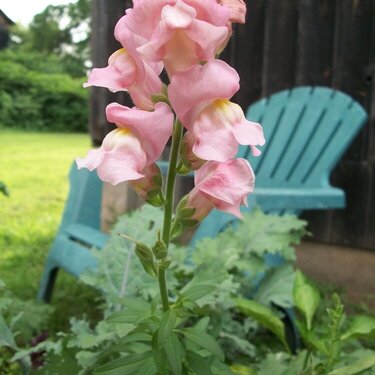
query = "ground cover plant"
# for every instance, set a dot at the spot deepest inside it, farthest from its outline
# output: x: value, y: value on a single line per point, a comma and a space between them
x: 249, y: 331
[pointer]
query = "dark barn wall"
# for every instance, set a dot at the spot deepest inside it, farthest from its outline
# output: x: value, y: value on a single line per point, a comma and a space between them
x: 287, y: 43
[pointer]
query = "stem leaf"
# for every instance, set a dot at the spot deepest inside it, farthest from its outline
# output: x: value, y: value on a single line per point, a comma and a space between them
x: 203, y: 340
x: 356, y: 367
x: 174, y: 353
x: 306, y: 297
x: 198, y: 364
x: 264, y: 316
x: 130, y: 364
x: 196, y: 292
x: 167, y: 325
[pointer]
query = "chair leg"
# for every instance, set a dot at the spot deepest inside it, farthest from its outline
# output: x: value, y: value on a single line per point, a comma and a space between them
x: 47, y: 283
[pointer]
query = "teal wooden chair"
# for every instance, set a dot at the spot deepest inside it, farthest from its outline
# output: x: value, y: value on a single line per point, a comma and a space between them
x: 78, y: 232
x: 307, y: 130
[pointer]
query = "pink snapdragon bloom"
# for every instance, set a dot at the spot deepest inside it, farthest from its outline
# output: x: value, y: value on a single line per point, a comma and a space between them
x: 200, y: 98
x: 224, y: 186
x: 237, y: 10
x: 137, y: 142
x: 181, y: 33
x: 127, y: 71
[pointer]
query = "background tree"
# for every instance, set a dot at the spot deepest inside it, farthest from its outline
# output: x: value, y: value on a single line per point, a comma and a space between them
x: 62, y: 31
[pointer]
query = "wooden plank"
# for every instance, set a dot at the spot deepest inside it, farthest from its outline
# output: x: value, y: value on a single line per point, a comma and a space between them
x: 352, y: 59
x: 349, y: 226
x: 369, y: 237
x: 370, y: 79
x: 316, y: 26
x: 279, y: 59
x: 105, y: 15
x: 369, y: 241
x: 249, y: 54
x: 315, y: 38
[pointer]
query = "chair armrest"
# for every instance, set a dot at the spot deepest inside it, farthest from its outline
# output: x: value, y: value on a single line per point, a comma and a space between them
x: 270, y: 199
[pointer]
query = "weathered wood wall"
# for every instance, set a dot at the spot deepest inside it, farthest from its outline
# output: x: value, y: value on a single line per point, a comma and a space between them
x: 287, y: 43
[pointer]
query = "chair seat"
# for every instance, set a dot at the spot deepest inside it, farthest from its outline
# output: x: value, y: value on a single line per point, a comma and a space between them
x: 86, y: 235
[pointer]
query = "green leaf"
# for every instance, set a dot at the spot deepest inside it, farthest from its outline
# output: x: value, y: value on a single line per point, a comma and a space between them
x: 311, y: 337
x: 125, y: 365
x: 360, y: 325
x: 243, y: 370
x: 356, y: 367
x: 264, y: 316
x: 203, y: 323
x: 198, y: 291
x: 167, y: 325
x: 186, y: 213
x: 173, y: 351
x: 149, y: 368
x: 135, y: 337
x: 277, y: 287
x: 198, y: 364
x: 127, y: 316
x: 136, y: 304
x: 306, y: 297
x: 203, y: 340
x: 3, y: 189
x: 160, y: 358
x: 189, y: 223
x: 6, y: 336
x: 275, y: 364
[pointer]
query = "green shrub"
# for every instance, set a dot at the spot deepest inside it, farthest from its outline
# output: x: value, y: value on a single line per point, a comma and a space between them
x: 34, y: 95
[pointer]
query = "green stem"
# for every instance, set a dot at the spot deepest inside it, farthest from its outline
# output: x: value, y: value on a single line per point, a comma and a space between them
x: 169, y: 195
x: 163, y: 289
x: 168, y: 210
x: 307, y: 357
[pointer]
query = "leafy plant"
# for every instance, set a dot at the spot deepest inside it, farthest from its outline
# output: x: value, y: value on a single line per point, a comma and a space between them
x: 204, y: 317
x: 203, y: 285
x: 4, y: 189
x: 35, y: 98
x: 328, y: 350
x: 19, y: 323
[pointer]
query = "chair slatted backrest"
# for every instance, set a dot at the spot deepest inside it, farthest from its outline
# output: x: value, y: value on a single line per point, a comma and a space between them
x: 307, y: 130
x: 85, y: 198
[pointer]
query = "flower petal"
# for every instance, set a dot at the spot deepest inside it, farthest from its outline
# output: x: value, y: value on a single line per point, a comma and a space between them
x: 237, y: 9
x: 118, y: 167
x: 188, y: 95
x: 178, y: 15
x: 230, y: 182
x: 152, y: 128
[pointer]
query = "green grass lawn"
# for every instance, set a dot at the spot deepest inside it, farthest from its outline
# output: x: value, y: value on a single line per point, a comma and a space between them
x: 34, y: 166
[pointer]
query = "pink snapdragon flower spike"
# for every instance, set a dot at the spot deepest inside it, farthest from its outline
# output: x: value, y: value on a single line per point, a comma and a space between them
x: 200, y: 98
x: 224, y: 186
x: 137, y: 142
x: 127, y: 71
x: 237, y: 10
x: 186, y: 33
x: 145, y: 16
